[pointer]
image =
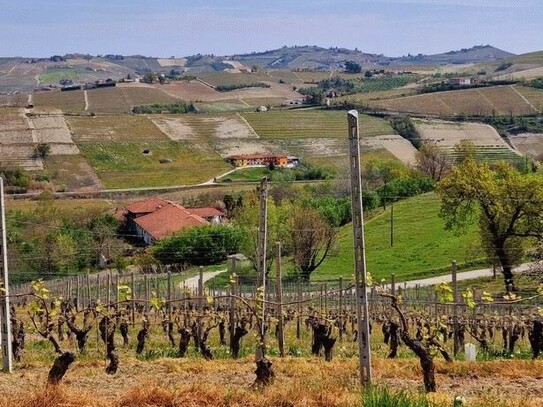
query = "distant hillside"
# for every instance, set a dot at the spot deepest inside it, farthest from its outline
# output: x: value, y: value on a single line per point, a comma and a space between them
x: 25, y: 74
x: 477, y: 54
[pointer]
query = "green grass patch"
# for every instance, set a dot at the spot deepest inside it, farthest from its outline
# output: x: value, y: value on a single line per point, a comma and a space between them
x: 383, y: 397
x: 124, y: 165
x: 313, y: 123
x: 55, y: 75
x: 421, y: 248
x: 221, y: 107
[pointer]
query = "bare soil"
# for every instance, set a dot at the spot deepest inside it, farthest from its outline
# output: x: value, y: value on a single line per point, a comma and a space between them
x: 528, y: 143
x: 399, y: 147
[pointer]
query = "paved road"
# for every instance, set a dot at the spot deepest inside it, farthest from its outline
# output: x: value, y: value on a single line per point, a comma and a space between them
x: 192, y: 282
x: 465, y: 275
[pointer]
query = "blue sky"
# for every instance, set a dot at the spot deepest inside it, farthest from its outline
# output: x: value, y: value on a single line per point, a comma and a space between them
x: 179, y: 27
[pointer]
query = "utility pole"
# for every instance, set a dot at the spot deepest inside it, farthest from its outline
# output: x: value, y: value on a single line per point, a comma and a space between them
x: 261, y: 253
x: 362, y: 313
x: 5, y: 310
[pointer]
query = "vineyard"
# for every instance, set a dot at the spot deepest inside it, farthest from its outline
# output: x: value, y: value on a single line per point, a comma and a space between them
x: 162, y: 331
x: 310, y: 124
x: 500, y: 100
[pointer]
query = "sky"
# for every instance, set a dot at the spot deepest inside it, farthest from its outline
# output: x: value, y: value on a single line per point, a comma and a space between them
x: 40, y: 28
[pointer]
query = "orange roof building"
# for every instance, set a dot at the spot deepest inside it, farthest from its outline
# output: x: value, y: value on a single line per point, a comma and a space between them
x: 166, y: 221
x: 155, y: 218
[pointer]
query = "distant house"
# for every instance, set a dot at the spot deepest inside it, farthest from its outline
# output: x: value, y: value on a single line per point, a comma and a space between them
x: 258, y: 159
x: 460, y: 81
x: 294, y: 102
x: 156, y: 218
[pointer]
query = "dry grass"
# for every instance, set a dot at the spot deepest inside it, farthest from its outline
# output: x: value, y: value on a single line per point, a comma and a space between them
x: 299, y: 382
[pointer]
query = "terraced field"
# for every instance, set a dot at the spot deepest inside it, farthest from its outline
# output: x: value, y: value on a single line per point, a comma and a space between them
x: 499, y: 100
x: 288, y: 124
x: 69, y: 102
x: 490, y: 146
x: 114, y: 128
x: 16, y: 141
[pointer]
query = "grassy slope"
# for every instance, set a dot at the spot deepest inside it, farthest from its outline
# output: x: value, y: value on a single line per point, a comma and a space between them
x: 421, y: 246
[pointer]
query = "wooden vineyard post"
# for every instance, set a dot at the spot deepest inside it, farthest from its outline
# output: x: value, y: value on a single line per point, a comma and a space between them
x: 299, y: 309
x: 232, y: 314
x: 169, y: 294
x: 200, y: 301
x: 7, y: 356
x: 133, y: 285
x: 340, y: 309
x: 362, y: 313
x: 456, y: 344
x: 261, y: 252
x: 279, y: 300
x: 264, y: 371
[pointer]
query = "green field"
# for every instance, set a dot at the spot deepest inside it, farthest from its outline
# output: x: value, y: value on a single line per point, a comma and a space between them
x: 312, y: 124
x: 55, y: 75
x: 124, y: 165
x: 421, y: 245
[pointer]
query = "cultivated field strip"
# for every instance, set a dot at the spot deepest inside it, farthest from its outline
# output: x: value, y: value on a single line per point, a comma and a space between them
x: 498, y: 100
x: 114, y: 129
x: 69, y: 102
x: 311, y: 124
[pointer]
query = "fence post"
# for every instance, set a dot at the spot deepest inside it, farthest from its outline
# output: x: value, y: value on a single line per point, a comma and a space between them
x: 456, y: 344
x: 279, y: 300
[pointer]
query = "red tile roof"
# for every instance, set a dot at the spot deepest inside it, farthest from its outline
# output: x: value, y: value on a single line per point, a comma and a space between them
x: 147, y: 206
x: 207, y: 212
x: 168, y: 220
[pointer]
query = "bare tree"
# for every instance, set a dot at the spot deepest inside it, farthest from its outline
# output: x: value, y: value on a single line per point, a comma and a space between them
x: 432, y: 161
x: 312, y: 238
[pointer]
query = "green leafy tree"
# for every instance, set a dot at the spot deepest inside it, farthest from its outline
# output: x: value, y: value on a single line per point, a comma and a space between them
x: 506, y: 204
x: 201, y: 245
x: 352, y: 67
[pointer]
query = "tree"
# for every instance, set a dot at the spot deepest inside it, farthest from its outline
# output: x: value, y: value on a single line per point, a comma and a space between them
x: 352, y: 67
x: 42, y: 150
x: 311, y: 238
x: 507, y: 204
x: 432, y: 161
x: 463, y: 150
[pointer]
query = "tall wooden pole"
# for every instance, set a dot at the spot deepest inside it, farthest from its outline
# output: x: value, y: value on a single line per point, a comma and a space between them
x: 7, y: 357
x: 279, y: 300
x: 232, y: 314
x: 362, y: 313
x: 261, y: 252
x: 456, y: 342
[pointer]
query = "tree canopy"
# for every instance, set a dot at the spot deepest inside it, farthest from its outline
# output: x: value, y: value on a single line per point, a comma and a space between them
x: 506, y: 204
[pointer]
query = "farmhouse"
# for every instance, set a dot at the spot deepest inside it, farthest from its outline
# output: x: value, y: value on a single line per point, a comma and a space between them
x: 460, y: 81
x: 258, y: 159
x: 155, y: 218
